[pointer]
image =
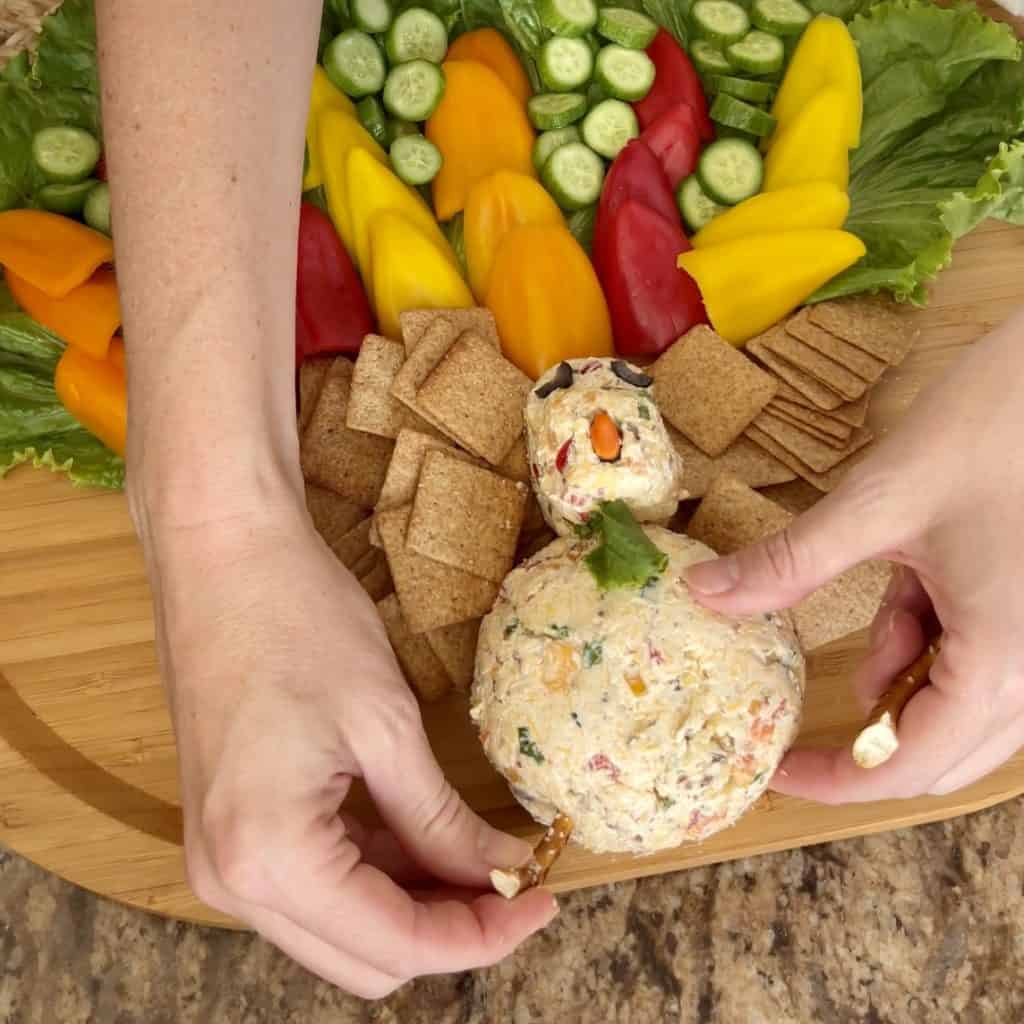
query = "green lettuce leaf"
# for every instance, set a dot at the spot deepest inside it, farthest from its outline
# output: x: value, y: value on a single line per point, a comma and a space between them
x: 625, y: 556
x: 671, y: 15
x: 517, y: 20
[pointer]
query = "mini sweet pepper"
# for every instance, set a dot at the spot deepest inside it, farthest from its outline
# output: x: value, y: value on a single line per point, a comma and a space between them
x: 94, y: 391
x: 675, y: 81
x: 488, y: 46
x: 809, y: 148
x: 324, y: 95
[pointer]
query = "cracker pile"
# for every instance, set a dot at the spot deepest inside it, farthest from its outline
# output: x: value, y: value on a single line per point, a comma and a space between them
x: 416, y: 474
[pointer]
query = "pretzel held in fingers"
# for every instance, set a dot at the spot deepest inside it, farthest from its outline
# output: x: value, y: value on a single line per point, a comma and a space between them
x: 510, y: 882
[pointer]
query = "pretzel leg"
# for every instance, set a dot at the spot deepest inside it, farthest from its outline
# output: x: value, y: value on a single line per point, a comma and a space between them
x: 510, y: 882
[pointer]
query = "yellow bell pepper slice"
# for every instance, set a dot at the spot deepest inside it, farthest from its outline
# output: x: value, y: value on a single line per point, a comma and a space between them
x: 547, y: 300
x: 809, y: 148
x: 818, y: 204
x: 338, y: 135
x: 52, y: 253
x: 409, y: 271
x: 480, y: 128
x: 488, y: 46
x: 86, y: 318
x: 95, y: 393
x: 825, y: 56
x: 324, y: 95
x: 496, y: 205
x: 752, y: 283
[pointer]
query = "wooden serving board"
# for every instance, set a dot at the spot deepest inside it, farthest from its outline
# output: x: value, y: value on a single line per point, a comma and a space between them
x: 88, y: 776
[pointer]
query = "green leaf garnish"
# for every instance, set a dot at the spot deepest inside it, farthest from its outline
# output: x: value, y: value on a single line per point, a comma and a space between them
x: 527, y: 747
x: 625, y: 556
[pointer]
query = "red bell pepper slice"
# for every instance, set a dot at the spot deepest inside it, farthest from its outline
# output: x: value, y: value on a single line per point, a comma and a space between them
x: 652, y: 302
x: 675, y: 81
x: 330, y: 300
x: 674, y: 138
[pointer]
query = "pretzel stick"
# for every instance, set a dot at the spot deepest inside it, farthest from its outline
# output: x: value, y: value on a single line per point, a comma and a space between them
x: 877, y: 741
x: 510, y: 882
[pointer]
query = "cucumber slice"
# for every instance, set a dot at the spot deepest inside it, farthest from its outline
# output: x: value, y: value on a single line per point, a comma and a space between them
x: 372, y: 16
x: 574, y: 175
x: 97, y: 208
x: 413, y: 90
x: 397, y: 128
x: 720, y: 21
x: 624, y: 74
x: 723, y: 131
x: 416, y: 34
x: 757, y: 53
x: 372, y: 117
x: 556, y: 109
x: 68, y: 200
x: 415, y: 160
x: 569, y: 18
x: 65, y: 155
x: 708, y: 58
x: 736, y: 113
x: 780, y: 17
x: 354, y: 63
x: 628, y: 28
x: 730, y: 170
x: 548, y: 142
x: 696, y: 207
x: 743, y: 88
x: 609, y: 126
x: 565, y: 64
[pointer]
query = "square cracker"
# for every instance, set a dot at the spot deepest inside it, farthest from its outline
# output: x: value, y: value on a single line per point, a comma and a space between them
x: 516, y: 465
x: 809, y: 388
x: 477, y: 397
x: 377, y: 582
x: 865, y: 365
x: 821, y: 421
x: 875, y: 324
x: 733, y: 515
x: 851, y: 413
x: 821, y: 457
x: 438, y: 336
x: 466, y: 517
x: 432, y: 595
x: 349, y: 462
x: 823, y: 481
x: 797, y: 496
x: 312, y: 374
x: 371, y: 406
x: 795, y: 421
x: 743, y: 459
x: 406, y: 464
x: 455, y: 647
x: 709, y: 390
x: 422, y: 668
x: 841, y: 380
x: 332, y: 515
x: 354, y: 546
x: 414, y: 323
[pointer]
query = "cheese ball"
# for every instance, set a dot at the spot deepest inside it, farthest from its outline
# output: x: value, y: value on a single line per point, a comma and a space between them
x: 646, y: 718
x: 569, y: 477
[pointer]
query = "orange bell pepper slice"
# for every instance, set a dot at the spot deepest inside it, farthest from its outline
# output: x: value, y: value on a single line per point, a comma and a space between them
x: 95, y: 393
x: 85, y: 318
x: 488, y: 46
x: 54, y: 254
x: 115, y: 355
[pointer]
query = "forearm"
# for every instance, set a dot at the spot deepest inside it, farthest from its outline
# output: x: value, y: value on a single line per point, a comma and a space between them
x: 204, y: 111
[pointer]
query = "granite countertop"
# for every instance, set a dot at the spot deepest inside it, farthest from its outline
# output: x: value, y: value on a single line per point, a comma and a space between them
x: 919, y: 925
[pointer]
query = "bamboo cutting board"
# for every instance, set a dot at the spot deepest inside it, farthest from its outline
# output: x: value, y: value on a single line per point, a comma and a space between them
x: 88, y: 778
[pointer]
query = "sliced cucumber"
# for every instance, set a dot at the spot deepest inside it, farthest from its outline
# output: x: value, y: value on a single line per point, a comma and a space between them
x: 780, y: 17
x: 743, y: 88
x: 739, y: 114
x: 574, y: 175
x: 568, y: 17
x: 415, y: 160
x: 413, y: 90
x: 548, y: 142
x: 696, y: 207
x: 624, y: 74
x: 65, y: 155
x: 723, y: 131
x: 757, y: 53
x: 397, y: 127
x: 416, y: 34
x: 609, y: 126
x: 66, y: 199
x: 708, y: 58
x: 372, y: 16
x: 730, y: 170
x: 97, y: 208
x: 565, y: 65
x: 628, y: 28
x: 372, y: 117
x: 354, y: 63
x: 720, y: 21
x: 556, y: 109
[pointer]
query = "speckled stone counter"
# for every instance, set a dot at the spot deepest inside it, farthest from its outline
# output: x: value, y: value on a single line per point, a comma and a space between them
x: 920, y: 925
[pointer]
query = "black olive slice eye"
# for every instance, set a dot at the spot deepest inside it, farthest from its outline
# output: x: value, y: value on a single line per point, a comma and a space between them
x: 626, y: 373
x: 561, y: 380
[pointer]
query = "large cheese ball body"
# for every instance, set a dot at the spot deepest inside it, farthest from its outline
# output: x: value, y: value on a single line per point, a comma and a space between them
x: 646, y: 718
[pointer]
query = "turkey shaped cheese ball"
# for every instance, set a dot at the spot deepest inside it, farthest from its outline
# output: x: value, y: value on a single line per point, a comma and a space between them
x: 594, y: 434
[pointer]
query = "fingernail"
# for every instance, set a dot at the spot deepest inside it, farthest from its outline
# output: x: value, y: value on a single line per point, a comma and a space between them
x: 714, y: 577
x: 503, y: 851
